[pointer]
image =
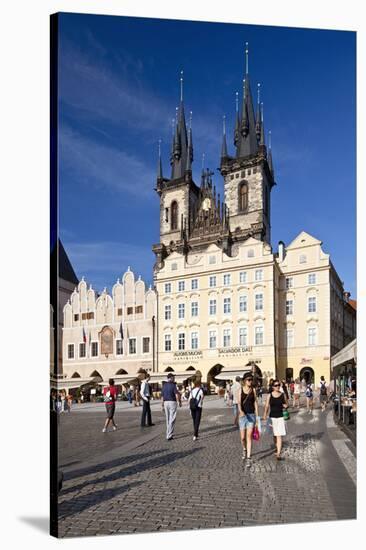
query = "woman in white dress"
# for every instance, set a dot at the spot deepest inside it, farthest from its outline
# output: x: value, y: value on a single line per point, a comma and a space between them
x: 276, y: 402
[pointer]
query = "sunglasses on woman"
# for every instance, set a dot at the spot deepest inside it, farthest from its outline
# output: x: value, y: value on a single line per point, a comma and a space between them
x: 276, y: 385
x: 249, y: 379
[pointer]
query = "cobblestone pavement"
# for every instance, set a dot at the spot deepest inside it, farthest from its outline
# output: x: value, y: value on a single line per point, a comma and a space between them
x: 133, y: 480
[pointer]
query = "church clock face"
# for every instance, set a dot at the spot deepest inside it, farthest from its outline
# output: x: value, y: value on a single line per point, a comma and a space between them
x: 206, y: 205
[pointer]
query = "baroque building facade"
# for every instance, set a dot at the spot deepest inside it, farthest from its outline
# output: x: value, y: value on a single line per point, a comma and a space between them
x: 109, y: 335
x: 224, y: 297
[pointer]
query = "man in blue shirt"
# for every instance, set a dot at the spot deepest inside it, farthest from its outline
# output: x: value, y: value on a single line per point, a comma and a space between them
x: 170, y: 396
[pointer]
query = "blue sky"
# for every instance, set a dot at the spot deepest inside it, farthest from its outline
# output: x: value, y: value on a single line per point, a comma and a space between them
x: 118, y: 90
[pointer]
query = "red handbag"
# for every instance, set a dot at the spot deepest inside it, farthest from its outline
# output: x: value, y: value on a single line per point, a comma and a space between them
x: 255, y: 434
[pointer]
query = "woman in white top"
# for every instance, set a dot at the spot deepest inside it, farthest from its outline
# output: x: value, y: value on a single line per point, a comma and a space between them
x: 195, y: 404
x: 297, y: 390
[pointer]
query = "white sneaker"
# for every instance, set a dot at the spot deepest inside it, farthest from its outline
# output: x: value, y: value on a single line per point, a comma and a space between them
x: 114, y: 428
x: 194, y: 438
x: 244, y: 454
x: 104, y: 430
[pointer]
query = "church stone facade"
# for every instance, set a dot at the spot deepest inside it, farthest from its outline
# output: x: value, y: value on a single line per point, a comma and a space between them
x: 225, y: 298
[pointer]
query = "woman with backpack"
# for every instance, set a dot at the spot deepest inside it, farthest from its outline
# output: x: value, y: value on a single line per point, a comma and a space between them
x: 275, y: 404
x: 323, y: 393
x: 195, y: 404
x: 248, y: 413
x: 309, y: 394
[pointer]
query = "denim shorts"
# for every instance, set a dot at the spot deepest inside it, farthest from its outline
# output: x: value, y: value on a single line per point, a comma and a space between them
x: 247, y: 421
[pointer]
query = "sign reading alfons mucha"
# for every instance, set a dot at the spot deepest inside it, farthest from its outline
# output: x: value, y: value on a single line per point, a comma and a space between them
x: 106, y: 341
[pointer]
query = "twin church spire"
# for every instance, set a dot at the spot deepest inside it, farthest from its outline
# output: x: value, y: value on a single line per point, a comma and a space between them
x: 249, y: 136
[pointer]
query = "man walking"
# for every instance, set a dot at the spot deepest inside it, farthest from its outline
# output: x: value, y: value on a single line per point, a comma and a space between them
x: 146, y: 396
x: 170, y: 395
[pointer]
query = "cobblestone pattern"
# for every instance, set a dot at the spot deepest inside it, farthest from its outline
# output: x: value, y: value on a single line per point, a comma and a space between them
x: 193, y: 485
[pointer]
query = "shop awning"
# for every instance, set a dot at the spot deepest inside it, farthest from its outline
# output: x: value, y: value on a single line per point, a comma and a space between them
x: 231, y: 374
x: 155, y: 378
x: 69, y: 383
x: 345, y: 355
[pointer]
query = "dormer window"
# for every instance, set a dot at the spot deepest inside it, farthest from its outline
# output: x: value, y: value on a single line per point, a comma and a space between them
x: 243, y: 197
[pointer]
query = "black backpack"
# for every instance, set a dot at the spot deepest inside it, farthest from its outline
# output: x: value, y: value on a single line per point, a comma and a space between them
x: 194, y: 401
x: 323, y: 388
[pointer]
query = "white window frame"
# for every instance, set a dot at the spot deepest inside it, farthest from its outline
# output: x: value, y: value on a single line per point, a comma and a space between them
x: 212, y: 334
x: 259, y: 301
x: 303, y: 259
x: 312, y: 336
x: 91, y: 348
x: 82, y: 344
x: 196, y: 339
x: 212, y: 306
x: 289, y: 282
x: 181, y: 286
x: 289, y: 307
x: 168, y: 288
x: 212, y: 260
x: 181, y: 308
x: 194, y: 309
x: 258, y: 275
x: 167, y: 338
x: 174, y: 266
x: 142, y: 345
x: 117, y: 341
x: 69, y: 347
x: 289, y: 337
x: 312, y: 304
x: 167, y: 312
x: 242, y: 277
x: 210, y: 280
x: 257, y: 333
x: 227, y: 305
x: 227, y: 279
x: 130, y: 340
x: 181, y: 341
x: 226, y: 333
x: 312, y: 279
x: 194, y: 284
x: 243, y: 303
x: 243, y: 332
x: 250, y: 253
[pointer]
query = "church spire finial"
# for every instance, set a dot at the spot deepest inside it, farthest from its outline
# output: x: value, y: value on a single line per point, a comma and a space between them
x: 237, y: 120
x: 224, y: 145
x: 258, y: 115
x: 246, y: 58
x: 181, y: 85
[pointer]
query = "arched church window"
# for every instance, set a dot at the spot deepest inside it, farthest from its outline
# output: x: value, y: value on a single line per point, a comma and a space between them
x: 243, y: 197
x: 174, y: 216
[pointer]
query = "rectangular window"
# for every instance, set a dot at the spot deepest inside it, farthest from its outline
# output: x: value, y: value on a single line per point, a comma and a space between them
x: 82, y: 350
x: 194, y: 309
x: 70, y: 351
x: 302, y: 259
x: 227, y: 305
x: 119, y: 347
x: 174, y: 266
x: 258, y: 336
x: 227, y: 338
x: 94, y: 349
x: 259, y: 274
x: 212, y: 307
x: 243, y: 277
x: 212, y: 281
x: 311, y: 304
x: 181, y: 286
x: 289, y: 337
x: 194, y: 284
x: 76, y: 317
x: 90, y: 315
x: 168, y: 288
x: 84, y: 316
x: 212, y: 339
x: 312, y: 278
x: 212, y: 259
x: 138, y: 309
x: 312, y: 336
x: 168, y: 313
x: 243, y: 336
x: 194, y: 340
x: 119, y: 311
x: 259, y: 302
x: 129, y: 310
x: 289, y: 282
x: 289, y: 307
x: 181, y: 341
x: 168, y: 342
x: 181, y: 312
x: 132, y: 346
x: 227, y: 279
x: 243, y: 304
x: 146, y: 344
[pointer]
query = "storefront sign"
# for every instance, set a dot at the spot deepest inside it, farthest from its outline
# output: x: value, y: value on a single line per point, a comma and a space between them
x: 235, y: 350
x: 305, y: 361
x: 189, y: 354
